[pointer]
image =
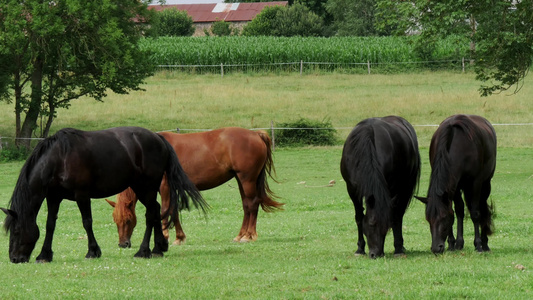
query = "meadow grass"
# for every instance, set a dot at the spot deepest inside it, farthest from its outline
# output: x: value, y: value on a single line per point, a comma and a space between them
x: 305, y: 251
x: 173, y: 100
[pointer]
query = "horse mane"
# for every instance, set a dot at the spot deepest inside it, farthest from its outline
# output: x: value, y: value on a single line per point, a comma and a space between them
x: 125, y: 199
x: 370, y: 179
x: 265, y: 193
x: 22, y: 193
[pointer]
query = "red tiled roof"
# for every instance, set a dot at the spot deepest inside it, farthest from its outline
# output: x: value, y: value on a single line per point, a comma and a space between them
x: 231, y: 12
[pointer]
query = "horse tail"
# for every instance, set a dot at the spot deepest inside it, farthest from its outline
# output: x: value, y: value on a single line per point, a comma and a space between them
x: 262, y: 187
x: 181, y: 188
x: 369, y: 177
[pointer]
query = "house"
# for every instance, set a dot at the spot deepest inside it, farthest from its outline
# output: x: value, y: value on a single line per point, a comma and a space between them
x: 203, y: 15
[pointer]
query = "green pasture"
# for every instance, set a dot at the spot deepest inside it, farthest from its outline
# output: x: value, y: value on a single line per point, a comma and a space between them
x: 305, y: 251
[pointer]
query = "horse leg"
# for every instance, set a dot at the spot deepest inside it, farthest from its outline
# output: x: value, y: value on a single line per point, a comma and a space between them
x: 460, y: 213
x: 47, y: 254
x: 153, y: 222
x: 84, y: 205
x: 397, y: 223
x: 472, y: 196
x: 485, y: 228
x: 250, y: 204
x: 399, y: 249
x: 165, y: 201
x: 359, y: 215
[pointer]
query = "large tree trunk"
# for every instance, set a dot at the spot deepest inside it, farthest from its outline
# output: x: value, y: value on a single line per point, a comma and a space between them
x: 32, y: 115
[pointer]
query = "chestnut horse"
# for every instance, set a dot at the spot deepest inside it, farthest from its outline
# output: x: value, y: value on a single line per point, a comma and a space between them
x: 463, y: 159
x: 210, y: 159
x: 80, y: 165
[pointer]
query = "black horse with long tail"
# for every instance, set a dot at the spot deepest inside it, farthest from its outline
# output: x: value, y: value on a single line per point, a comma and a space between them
x: 380, y: 164
x: 80, y: 165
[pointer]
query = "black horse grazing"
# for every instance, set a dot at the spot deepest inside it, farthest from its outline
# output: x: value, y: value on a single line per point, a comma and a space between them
x: 380, y: 163
x: 79, y: 165
x: 463, y: 158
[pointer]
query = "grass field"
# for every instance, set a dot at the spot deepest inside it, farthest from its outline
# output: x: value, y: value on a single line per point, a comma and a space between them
x: 305, y: 251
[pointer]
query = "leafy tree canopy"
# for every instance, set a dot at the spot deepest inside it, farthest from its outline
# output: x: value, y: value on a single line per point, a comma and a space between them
x: 500, y: 33
x: 61, y: 50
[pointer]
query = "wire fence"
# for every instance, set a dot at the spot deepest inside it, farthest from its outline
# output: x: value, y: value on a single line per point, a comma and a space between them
x: 272, y: 129
x: 305, y: 66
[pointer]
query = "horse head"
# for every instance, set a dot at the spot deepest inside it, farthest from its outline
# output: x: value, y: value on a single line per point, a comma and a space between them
x: 23, y: 236
x: 125, y: 219
x: 375, y: 228
x: 439, y: 214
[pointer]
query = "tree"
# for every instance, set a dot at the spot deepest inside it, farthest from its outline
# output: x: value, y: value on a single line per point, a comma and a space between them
x: 172, y: 22
x: 296, y: 20
x: 500, y: 34
x: 264, y: 23
x: 62, y: 50
x: 352, y: 18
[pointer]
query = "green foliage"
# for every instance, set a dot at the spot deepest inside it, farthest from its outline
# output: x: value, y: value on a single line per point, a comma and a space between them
x: 13, y: 153
x: 172, y: 22
x: 62, y: 50
x: 264, y: 23
x: 221, y: 28
x: 352, y: 18
x: 295, y: 20
x: 305, y: 132
x: 499, y: 32
x: 340, y: 53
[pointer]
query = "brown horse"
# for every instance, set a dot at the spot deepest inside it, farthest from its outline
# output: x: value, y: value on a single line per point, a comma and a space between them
x: 210, y: 159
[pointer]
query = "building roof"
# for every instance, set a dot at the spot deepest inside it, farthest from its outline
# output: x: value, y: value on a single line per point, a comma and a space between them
x: 230, y: 12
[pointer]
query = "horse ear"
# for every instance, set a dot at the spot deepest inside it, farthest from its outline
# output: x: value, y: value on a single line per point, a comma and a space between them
x: 110, y: 202
x: 422, y: 199
x: 9, y: 212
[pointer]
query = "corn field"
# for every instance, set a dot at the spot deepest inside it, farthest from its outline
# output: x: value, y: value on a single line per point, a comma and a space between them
x: 207, y: 54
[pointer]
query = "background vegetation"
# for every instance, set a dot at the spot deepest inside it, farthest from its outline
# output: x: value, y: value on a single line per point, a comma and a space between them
x: 347, y: 53
x: 307, y: 250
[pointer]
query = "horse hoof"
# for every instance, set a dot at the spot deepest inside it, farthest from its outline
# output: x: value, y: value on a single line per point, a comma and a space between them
x: 42, y: 261
x: 178, y: 242
x: 157, y: 255
x: 356, y: 254
x: 400, y: 255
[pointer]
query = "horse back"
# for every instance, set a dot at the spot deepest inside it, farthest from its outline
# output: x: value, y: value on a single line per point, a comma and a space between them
x: 468, y: 143
x: 213, y: 157
x: 104, y: 162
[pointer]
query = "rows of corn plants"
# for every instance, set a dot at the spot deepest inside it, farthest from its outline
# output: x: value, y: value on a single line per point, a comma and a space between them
x: 265, y: 53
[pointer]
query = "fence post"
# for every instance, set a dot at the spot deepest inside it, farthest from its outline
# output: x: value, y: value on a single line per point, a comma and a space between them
x: 368, y: 66
x: 273, y: 137
x: 221, y: 70
x: 463, y: 63
x: 301, y: 67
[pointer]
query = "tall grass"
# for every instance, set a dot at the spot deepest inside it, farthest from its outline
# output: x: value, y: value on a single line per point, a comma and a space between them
x: 173, y: 100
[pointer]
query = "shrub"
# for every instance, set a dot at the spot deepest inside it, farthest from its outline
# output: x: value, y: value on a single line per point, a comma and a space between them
x: 264, y: 23
x: 12, y: 153
x: 172, y: 22
x: 221, y: 28
x: 305, y: 132
x: 296, y: 20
